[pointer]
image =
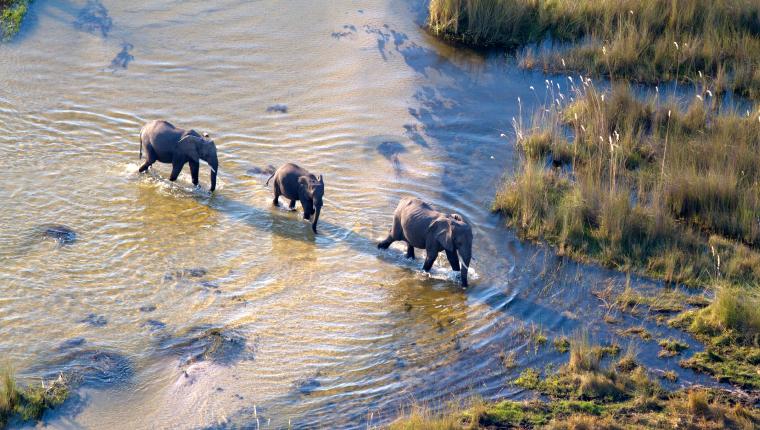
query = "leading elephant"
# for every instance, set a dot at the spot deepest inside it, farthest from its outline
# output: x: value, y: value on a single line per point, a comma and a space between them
x: 420, y: 226
x: 297, y: 184
x: 162, y: 141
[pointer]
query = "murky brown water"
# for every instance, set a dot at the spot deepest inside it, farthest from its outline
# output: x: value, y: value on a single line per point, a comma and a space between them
x: 335, y: 332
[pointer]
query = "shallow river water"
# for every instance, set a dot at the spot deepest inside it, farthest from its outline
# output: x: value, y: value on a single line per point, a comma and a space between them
x: 181, y: 309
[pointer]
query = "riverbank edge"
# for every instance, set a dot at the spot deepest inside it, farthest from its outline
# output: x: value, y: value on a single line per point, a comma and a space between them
x: 647, y: 42
x: 597, y: 388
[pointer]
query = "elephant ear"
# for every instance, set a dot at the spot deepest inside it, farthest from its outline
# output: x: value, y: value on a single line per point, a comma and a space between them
x: 444, y: 234
x: 321, y: 180
x: 303, y: 195
x: 190, y: 146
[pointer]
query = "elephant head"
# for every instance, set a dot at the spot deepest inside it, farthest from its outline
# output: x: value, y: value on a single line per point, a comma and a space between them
x: 205, y: 149
x: 310, y: 193
x: 455, y: 236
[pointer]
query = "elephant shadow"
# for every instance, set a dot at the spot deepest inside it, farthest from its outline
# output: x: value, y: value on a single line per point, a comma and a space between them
x: 281, y: 223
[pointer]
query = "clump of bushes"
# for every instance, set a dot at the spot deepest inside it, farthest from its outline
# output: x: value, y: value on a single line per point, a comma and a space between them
x: 29, y: 402
x: 12, y: 12
x: 645, y: 41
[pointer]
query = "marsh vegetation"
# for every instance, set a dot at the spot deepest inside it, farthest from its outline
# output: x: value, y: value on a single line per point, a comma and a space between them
x: 590, y: 392
x: 645, y: 41
x: 28, y: 403
x: 641, y: 185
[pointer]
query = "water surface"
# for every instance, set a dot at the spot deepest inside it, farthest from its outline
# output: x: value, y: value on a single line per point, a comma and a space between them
x: 316, y: 330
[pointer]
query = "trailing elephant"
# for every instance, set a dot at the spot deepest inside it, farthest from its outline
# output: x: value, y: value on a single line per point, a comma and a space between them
x: 420, y: 226
x: 296, y: 183
x: 161, y: 141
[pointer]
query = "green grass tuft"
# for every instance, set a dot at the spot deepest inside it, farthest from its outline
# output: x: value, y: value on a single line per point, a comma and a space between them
x: 28, y: 403
x: 12, y: 12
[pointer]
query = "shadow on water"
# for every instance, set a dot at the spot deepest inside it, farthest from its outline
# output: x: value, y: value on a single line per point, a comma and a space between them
x: 280, y: 222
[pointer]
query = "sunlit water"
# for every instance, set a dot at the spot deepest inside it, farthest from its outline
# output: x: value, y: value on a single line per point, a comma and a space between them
x: 336, y: 333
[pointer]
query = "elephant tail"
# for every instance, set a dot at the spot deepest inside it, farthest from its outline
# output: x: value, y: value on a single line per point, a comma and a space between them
x: 270, y: 178
x: 141, y: 144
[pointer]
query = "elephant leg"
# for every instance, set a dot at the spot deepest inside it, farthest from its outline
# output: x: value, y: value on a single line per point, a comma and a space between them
x: 177, y: 164
x: 431, y: 250
x: 409, y: 251
x: 150, y: 158
x: 277, y: 193
x: 453, y: 259
x: 292, y: 205
x: 194, y: 168
x: 386, y: 243
x: 429, y: 260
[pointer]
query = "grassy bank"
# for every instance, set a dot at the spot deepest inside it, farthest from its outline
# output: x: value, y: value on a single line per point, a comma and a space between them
x: 585, y: 394
x: 666, y: 190
x: 28, y: 403
x: 641, y: 185
x: 12, y: 12
x: 646, y: 41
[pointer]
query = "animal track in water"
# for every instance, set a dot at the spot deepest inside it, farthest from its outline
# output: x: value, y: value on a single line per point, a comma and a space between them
x: 154, y: 325
x: 279, y: 108
x: 348, y: 30
x: 195, y: 272
x: 122, y: 59
x: 253, y: 171
x: 307, y: 386
x: 94, y: 320
x: 93, y: 18
x: 60, y: 233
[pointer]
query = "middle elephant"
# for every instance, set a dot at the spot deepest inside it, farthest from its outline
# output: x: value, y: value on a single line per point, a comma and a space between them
x: 296, y: 183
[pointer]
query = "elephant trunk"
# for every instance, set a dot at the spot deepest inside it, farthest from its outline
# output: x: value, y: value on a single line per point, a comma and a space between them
x: 316, y: 218
x: 466, y: 256
x: 214, y: 164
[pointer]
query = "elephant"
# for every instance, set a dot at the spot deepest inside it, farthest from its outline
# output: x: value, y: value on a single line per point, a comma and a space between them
x: 420, y: 226
x: 296, y: 183
x: 163, y: 142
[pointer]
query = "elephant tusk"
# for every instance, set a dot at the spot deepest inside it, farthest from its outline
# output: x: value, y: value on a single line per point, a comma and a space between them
x: 212, y: 169
x: 463, y: 264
